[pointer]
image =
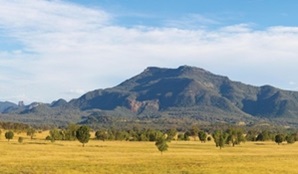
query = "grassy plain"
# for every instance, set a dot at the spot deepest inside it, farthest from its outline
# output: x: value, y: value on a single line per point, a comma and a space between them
x: 39, y: 156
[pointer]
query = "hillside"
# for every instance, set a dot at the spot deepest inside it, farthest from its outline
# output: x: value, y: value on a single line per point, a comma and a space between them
x: 171, y: 97
x: 190, y: 92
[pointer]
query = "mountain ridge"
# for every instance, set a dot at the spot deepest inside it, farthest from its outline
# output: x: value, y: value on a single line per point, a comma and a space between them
x: 161, y: 95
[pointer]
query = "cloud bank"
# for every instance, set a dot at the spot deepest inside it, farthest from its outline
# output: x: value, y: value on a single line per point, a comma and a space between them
x: 59, y: 49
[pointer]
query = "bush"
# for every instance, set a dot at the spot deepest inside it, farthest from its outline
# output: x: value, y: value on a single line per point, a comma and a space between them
x: 9, y: 135
x: 20, y: 140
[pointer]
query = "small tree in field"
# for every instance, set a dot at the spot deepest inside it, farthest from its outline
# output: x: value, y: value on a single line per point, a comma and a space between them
x: 55, y: 134
x: 20, y: 140
x: 101, y: 135
x: 219, y: 138
x: 83, y: 134
x: 9, y: 135
x: 194, y: 132
x: 161, y: 144
x: 202, y: 136
x: 290, y: 139
x: 171, y: 134
x: 31, y: 132
x: 279, y: 138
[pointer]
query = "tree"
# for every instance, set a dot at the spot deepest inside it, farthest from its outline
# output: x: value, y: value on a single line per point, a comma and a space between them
x: 219, y: 138
x: 235, y: 136
x: 50, y: 138
x: 202, y: 136
x: 31, y: 132
x: 279, y: 138
x: 290, y: 139
x: 70, y: 132
x: 101, y: 135
x: 83, y: 134
x: 161, y: 144
x: 251, y: 135
x: 55, y: 134
x: 20, y: 140
x: 186, y: 136
x: 264, y: 136
x: 9, y: 135
x: 194, y: 132
x: 171, y: 134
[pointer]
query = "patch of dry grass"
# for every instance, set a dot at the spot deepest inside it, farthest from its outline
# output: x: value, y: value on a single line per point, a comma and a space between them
x: 39, y: 156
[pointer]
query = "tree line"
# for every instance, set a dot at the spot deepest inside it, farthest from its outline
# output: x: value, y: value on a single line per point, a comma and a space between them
x: 231, y: 135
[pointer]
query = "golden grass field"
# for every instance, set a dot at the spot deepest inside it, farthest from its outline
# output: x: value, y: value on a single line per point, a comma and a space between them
x: 39, y: 156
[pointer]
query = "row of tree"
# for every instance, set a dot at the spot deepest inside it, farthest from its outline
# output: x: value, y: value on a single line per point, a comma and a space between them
x: 231, y: 136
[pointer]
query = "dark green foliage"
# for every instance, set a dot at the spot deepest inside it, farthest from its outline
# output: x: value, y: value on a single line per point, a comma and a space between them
x: 209, y: 138
x: 279, y: 138
x: 70, y: 132
x: 48, y: 138
x: 290, y: 138
x: 264, y: 136
x: 55, y: 134
x: 83, y: 134
x: 183, y: 137
x: 219, y: 138
x: 101, y: 135
x: 122, y: 135
x: 31, y: 132
x: 9, y: 135
x: 251, y: 135
x: 171, y: 133
x: 161, y: 144
x: 202, y: 136
x: 235, y: 136
x: 186, y: 136
x: 14, y: 126
x: 20, y: 140
x: 194, y: 132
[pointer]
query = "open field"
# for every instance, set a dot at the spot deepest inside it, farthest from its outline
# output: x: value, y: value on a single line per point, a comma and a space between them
x: 39, y: 156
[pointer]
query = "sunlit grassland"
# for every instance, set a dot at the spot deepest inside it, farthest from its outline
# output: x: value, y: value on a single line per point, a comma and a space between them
x: 40, y: 156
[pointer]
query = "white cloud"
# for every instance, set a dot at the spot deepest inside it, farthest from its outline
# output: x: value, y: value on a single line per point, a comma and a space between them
x: 70, y: 49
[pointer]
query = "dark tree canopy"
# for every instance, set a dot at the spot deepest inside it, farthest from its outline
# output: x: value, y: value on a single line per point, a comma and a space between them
x: 171, y: 134
x: 202, y: 136
x: 290, y: 139
x: 220, y: 138
x: 194, y: 132
x: 55, y: 134
x: 279, y: 138
x: 101, y: 135
x: 83, y: 134
x: 9, y: 135
x: 161, y: 144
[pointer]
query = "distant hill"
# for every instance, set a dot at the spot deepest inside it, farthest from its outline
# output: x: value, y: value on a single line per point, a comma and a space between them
x: 6, y: 105
x: 171, y: 97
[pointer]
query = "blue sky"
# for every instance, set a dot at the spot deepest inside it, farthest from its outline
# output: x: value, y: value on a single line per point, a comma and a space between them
x: 262, y: 13
x: 63, y: 48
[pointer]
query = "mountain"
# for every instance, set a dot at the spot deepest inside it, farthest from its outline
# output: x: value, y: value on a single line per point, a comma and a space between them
x: 6, y: 105
x: 164, y: 97
x: 190, y: 92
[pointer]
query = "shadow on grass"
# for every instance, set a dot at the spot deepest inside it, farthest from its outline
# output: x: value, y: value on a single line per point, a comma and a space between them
x: 41, y: 143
